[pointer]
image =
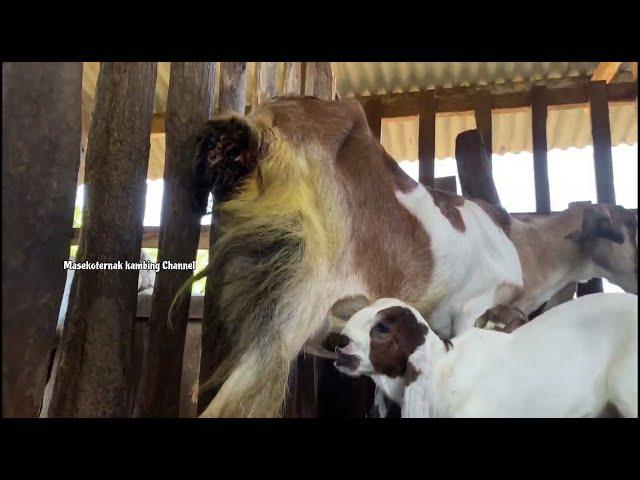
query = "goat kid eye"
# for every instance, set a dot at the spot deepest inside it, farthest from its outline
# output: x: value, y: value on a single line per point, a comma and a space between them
x: 382, y: 329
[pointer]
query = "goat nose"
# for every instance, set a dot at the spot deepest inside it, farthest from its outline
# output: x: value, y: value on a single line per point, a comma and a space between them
x: 343, y: 341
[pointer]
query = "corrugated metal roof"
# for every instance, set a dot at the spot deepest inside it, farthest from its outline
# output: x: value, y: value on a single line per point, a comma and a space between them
x: 511, y: 130
x: 371, y: 78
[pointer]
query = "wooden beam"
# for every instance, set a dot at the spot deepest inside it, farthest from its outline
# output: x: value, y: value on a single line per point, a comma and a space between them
x: 95, y: 362
x: 232, y: 98
x: 474, y: 172
x: 601, y: 134
x: 605, y: 71
x: 539, y: 137
x: 292, y: 78
x: 446, y: 184
x: 41, y: 133
x: 460, y: 100
x: 427, y: 140
x: 264, y: 83
x: 456, y: 101
x: 189, y: 105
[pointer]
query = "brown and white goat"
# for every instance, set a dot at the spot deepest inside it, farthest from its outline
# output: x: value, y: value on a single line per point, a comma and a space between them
x: 313, y: 210
x: 575, y: 360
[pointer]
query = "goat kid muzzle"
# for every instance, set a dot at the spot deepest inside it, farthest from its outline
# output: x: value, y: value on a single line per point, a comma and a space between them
x: 346, y: 358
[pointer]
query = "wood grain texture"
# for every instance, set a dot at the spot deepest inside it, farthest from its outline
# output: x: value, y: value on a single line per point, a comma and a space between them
x: 97, y: 341
x: 41, y: 135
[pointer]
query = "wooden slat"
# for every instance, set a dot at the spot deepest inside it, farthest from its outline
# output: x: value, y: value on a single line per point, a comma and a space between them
x: 427, y: 140
x: 319, y: 80
x: 190, y: 370
x: 605, y: 71
x: 601, y: 134
x: 446, y: 184
x: 190, y: 104
x: 264, y: 83
x: 95, y: 362
x: 232, y: 97
x: 292, y: 78
x: 150, y: 237
x: 41, y: 133
x: 233, y: 87
x: 539, y: 137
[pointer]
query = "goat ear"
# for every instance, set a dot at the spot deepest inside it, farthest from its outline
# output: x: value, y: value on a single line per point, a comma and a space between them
x: 597, y: 223
x: 346, y: 307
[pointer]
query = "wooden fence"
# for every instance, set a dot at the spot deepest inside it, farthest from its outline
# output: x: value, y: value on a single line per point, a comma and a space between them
x: 118, y: 358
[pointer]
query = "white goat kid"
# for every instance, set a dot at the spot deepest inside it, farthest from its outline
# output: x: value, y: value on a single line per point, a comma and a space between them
x: 575, y: 360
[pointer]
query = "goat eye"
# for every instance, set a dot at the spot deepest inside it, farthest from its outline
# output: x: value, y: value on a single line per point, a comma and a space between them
x: 381, y: 328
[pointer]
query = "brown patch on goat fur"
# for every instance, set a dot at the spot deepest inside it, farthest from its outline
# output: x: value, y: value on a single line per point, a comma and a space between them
x: 397, y: 263
x: 448, y: 204
x: 498, y: 215
x: 389, y: 352
x: 411, y: 374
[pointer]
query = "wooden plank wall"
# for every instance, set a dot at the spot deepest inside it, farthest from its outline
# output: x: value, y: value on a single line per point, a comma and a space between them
x: 41, y: 134
x: 81, y: 388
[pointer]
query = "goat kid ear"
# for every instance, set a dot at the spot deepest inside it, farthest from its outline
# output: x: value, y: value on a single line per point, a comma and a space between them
x: 346, y: 307
x: 596, y: 224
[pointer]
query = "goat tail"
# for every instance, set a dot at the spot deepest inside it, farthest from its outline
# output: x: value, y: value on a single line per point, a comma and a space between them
x: 256, y: 383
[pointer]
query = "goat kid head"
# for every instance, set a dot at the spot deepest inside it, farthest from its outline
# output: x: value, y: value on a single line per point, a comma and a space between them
x: 380, y: 338
x: 608, y: 238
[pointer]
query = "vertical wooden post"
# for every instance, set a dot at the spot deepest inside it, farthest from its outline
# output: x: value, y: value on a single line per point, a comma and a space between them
x: 190, y: 368
x: 292, y: 78
x: 474, y: 169
x: 233, y: 87
x: 264, y: 84
x: 189, y: 105
x: 601, y: 134
x: 232, y: 98
x: 97, y: 340
x: 427, y: 139
x: 41, y: 132
x: 539, y: 136
x: 319, y: 80
x: 483, y: 123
